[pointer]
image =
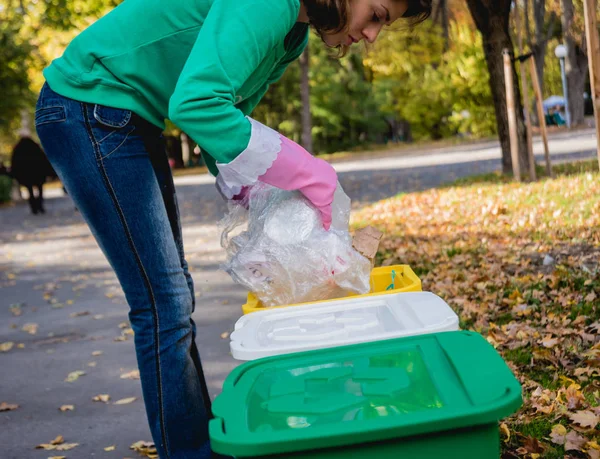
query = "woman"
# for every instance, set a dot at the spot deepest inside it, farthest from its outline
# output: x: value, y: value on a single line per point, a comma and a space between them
x: 204, y: 64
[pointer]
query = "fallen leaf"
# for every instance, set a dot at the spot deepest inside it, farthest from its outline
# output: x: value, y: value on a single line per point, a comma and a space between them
x: 61, y: 447
x: 67, y: 408
x: 110, y: 448
x: 532, y: 445
x: 505, y: 431
x: 58, y: 440
x: 592, y: 445
x: 135, y: 374
x: 99, y: 316
x: 550, y: 342
x: 101, y: 398
x: 30, y: 328
x: 57, y: 457
x: 574, y: 441
x: 21, y: 346
x: 591, y: 297
x: 558, y: 434
x: 91, y: 364
x: 5, y: 347
x: 79, y: 314
x: 125, y: 401
x: 74, y: 375
x: 585, y: 418
x: 224, y: 335
x: 97, y: 353
x: 574, y: 397
x: 144, y: 447
x: 8, y: 406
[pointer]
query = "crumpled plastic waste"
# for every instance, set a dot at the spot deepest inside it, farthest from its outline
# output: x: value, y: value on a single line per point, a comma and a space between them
x: 278, y: 249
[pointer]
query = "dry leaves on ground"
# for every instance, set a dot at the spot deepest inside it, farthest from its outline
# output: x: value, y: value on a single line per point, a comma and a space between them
x: 135, y: 374
x: 8, y: 406
x: 74, y: 375
x: 58, y: 444
x: 125, y: 401
x: 519, y: 263
x: 79, y: 314
x: 145, y: 448
x: 30, y: 328
x: 7, y: 346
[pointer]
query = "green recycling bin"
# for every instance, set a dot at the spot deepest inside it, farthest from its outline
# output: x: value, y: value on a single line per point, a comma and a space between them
x: 435, y: 396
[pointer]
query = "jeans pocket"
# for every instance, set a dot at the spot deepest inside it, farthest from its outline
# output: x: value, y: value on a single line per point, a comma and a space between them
x: 112, y: 117
x: 112, y: 129
x: 46, y: 115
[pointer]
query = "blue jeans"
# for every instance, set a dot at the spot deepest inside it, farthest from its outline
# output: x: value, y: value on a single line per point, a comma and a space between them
x: 114, y: 166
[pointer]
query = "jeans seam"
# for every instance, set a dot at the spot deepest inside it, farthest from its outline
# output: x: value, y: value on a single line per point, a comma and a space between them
x: 98, y: 142
x: 118, y: 146
x: 138, y: 260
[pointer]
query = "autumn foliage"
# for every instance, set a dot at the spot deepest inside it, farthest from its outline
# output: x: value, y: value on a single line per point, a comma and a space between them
x: 520, y: 263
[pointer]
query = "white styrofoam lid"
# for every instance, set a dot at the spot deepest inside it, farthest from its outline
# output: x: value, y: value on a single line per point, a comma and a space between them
x: 338, y: 323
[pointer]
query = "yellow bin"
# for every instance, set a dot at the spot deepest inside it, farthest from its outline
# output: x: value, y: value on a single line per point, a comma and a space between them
x: 404, y: 280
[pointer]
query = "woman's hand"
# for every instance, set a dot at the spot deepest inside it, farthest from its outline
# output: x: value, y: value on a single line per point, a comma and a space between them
x: 296, y: 169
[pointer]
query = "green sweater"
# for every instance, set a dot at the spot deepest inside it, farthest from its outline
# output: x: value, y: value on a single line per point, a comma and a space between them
x: 203, y: 64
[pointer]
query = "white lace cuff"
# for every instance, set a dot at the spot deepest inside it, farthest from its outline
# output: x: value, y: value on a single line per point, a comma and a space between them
x: 226, y: 191
x: 254, y: 161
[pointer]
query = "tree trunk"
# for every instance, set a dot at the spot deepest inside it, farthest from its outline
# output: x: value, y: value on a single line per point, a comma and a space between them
x: 491, y: 18
x: 541, y: 41
x: 544, y: 31
x: 305, y: 99
x: 576, y: 65
x: 441, y: 18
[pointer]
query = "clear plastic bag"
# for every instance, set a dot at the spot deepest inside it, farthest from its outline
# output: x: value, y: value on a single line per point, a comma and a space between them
x: 284, y: 255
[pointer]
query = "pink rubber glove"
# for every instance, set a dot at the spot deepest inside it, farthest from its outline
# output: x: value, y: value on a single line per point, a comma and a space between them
x: 296, y: 169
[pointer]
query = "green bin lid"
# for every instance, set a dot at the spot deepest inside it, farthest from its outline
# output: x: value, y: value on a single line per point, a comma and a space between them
x: 362, y: 393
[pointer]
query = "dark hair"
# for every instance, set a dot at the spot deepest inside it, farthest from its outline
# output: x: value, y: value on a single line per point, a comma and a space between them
x: 331, y: 16
x: 327, y: 16
x: 418, y: 10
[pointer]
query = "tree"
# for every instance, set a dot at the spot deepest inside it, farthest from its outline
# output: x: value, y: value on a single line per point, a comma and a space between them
x: 576, y: 62
x: 545, y: 26
x: 441, y: 18
x: 15, y: 58
x: 25, y: 27
x: 492, y: 20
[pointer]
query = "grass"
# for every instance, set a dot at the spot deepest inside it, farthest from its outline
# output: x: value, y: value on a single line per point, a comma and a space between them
x: 481, y: 244
x: 570, y: 168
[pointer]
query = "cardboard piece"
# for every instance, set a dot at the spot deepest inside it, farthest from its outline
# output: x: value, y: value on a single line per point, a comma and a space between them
x: 366, y: 241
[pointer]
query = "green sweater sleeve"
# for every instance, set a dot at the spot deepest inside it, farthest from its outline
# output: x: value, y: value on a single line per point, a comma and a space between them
x: 234, y: 39
x: 248, y: 105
